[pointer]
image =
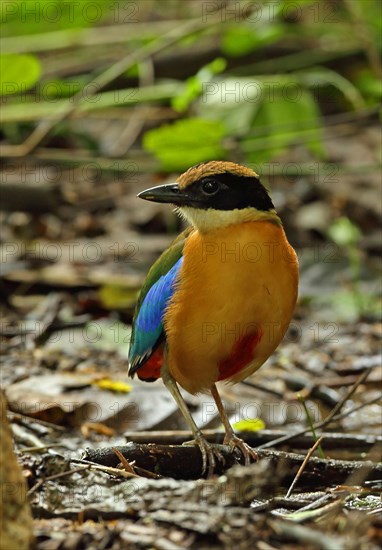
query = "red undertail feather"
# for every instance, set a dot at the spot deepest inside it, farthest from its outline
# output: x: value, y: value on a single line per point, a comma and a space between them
x: 241, y: 355
x: 151, y: 369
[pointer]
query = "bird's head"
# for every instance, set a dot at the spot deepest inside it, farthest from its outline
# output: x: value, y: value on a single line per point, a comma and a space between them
x: 216, y: 194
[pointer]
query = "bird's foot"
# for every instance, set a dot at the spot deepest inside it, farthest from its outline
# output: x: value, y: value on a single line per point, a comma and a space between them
x: 210, y: 454
x: 236, y: 443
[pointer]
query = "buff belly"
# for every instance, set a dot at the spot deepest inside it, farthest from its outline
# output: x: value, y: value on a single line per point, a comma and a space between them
x: 233, y: 304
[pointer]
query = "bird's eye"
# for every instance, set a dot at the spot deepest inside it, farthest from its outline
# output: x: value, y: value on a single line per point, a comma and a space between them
x: 210, y: 187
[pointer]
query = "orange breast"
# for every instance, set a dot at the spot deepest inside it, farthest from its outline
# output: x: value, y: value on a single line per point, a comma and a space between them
x: 233, y: 304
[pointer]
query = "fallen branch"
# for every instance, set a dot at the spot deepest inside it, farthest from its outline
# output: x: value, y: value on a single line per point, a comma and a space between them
x: 184, y: 462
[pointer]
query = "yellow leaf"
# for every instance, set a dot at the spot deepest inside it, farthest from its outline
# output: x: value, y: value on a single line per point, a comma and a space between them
x: 249, y: 425
x: 113, y: 385
x: 117, y: 297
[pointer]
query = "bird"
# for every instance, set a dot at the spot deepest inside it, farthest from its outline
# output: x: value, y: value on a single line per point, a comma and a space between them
x: 217, y: 303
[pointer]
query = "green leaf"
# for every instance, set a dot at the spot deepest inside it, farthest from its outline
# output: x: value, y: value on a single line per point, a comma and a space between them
x: 344, y: 232
x: 185, y: 143
x: 191, y: 91
x: 217, y: 66
x: 194, y: 85
x: 116, y: 297
x: 18, y: 73
x: 240, y: 39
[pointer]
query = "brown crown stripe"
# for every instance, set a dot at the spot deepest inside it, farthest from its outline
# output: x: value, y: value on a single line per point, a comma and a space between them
x: 205, y: 169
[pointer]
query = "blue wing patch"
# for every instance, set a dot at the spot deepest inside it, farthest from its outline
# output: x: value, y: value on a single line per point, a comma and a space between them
x: 148, y: 327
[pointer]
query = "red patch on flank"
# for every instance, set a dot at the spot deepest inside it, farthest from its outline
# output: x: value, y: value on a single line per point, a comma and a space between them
x: 241, y: 355
x: 151, y: 369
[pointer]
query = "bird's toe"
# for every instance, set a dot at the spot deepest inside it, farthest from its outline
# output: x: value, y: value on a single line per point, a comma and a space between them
x: 210, y: 455
x: 235, y: 442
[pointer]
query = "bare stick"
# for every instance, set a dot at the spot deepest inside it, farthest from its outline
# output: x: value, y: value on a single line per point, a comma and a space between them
x: 125, y: 463
x: 302, y: 467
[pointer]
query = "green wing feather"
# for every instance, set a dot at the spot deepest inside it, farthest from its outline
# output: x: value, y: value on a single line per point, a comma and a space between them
x: 160, y: 268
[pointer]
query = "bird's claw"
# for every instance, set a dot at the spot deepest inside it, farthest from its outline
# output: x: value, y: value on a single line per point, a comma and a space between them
x: 210, y: 454
x: 236, y: 443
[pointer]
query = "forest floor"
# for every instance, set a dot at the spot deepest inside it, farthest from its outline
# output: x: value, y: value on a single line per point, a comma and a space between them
x: 69, y: 298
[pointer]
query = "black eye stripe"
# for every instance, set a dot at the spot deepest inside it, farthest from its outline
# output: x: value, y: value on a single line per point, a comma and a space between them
x: 232, y: 191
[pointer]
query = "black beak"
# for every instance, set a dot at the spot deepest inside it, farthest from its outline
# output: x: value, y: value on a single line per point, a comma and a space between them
x: 169, y: 193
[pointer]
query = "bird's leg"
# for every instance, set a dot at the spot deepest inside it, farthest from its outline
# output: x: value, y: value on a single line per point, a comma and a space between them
x: 209, y: 453
x: 230, y: 438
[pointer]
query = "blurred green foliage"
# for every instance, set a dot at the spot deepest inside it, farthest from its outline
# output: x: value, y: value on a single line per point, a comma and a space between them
x: 239, y: 104
x: 192, y: 139
x: 291, y: 119
x: 24, y: 17
x: 18, y: 72
x: 241, y: 39
x: 352, y: 302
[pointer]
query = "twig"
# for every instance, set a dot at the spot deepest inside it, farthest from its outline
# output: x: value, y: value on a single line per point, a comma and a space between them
x: 352, y: 390
x: 263, y: 388
x: 309, y: 537
x: 37, y: 448
x: 116, y: 471
x: 56, y: 476
x: 333, y: 440
x: 316, y: 513
x: 31, y: 420
x: 324, y: 499
x: 125, y: 463
x: 333, y: 415
x: 266, y: 143
x: 22, y: 435
x: 87, y: 37
x: 138, y: 116
x: 342, y: 381
x: 106, y: 101
x: 358, y: 407
x: 302, y: 467
x: 311, y: 389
